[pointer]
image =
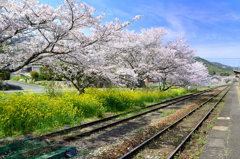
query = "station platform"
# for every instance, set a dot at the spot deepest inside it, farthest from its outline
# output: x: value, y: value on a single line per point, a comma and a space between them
x: 224, y: 139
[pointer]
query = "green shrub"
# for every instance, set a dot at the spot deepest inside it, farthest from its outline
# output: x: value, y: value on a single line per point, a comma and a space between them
x: 42, y: 84
x: 17, y: 78
x: 34, y: 74
x: 47, y: 74
x: 4, y: 76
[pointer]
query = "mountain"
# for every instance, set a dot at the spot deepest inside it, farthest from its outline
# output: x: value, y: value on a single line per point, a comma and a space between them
x: 215, y: 68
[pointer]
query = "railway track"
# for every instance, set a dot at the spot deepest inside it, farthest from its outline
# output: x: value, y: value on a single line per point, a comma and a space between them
x: 74, y: 139
x: 114, y: 123
x: 174, y: 130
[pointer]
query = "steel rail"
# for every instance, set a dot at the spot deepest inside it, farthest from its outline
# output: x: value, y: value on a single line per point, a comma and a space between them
x: 60, y: 132
x: 179, y: 148
x: 139, y: 147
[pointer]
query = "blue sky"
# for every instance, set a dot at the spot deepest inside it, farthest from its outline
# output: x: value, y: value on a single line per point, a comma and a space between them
x: 212, y: 27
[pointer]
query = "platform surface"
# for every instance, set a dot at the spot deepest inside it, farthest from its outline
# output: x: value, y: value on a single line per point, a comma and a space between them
x: 224, y: 139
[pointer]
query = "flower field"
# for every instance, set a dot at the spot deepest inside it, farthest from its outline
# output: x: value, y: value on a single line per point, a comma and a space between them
x: 23, y: 113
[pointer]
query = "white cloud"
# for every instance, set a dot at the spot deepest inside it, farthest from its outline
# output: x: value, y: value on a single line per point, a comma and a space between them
x: 233, y: 16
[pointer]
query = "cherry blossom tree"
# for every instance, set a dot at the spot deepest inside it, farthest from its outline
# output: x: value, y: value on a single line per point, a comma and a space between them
x: 228, y: 79
x: 213, y: 81
x: 172, y: 64
x: 146, y: 55
x: 83, y: 69
x: 197, y: 74
x: 131, y: 52
x: 188, y: 74
x: 30, y: 32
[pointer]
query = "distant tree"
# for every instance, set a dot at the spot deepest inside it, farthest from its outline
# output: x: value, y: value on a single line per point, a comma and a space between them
x: 46, y: 73
x: 1, y: 51
x: 225, y: 74
x: 212, y: 72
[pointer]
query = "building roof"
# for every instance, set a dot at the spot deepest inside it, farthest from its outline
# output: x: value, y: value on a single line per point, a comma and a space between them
x: 236, y: 72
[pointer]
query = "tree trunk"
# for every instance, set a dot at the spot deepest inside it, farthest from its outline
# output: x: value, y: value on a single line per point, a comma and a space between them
x: 81, y: 91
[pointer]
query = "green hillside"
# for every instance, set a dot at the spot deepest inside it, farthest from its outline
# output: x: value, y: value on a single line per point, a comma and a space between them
x: 215, y: 68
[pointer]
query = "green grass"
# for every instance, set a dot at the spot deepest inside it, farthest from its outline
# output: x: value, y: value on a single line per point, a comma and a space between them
x: 17, y: 78
x: 167, y: 113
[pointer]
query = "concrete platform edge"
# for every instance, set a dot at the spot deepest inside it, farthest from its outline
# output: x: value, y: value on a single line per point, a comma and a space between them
x: 217, y: 144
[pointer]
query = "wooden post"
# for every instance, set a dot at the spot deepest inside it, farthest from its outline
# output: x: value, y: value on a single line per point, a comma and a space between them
x: 147, y: 81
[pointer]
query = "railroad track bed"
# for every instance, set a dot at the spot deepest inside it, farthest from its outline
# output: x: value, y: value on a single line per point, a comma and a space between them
x: 90, y: 141
x: 134, y: 133
x: 167, y: 143
x: 130, y: 141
